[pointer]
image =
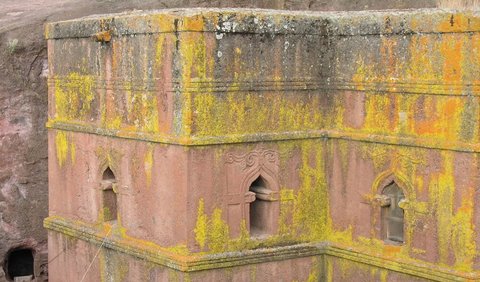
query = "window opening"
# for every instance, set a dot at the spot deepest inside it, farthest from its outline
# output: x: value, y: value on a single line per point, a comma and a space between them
x: 19, y: 265
x: 392, y: 213
x: 108, y: 175
x: 259, y: 216
x: 109, y: 196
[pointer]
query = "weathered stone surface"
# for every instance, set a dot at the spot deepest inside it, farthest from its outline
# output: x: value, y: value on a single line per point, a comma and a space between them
x: 23, y: 98
x: 193, y: 110
x: 23, y: 158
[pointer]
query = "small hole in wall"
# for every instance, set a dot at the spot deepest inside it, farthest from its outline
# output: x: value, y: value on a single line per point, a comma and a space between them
x: 19, y: 264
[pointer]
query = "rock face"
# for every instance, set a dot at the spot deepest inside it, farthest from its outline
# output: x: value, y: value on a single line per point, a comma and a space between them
x: 23, y: 157
x: 23, y: 102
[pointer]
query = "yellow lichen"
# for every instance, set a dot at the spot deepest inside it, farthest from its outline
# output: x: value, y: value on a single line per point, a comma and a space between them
x: 311, y: 209
x: 196, y: 66
x: 329, y: 269
x: 201, y: 225
x: 72, y: 151
x: 383, y: 276
x: 442, y: 195
x: 463, y: 235
x: 63, y: 147
x: 61, y: 143
x: 314, y: 274
x: 218, y: 234
x: 243, y: 242
x: 287, y: 197
x: 148, y: 165
x: 74, y: 95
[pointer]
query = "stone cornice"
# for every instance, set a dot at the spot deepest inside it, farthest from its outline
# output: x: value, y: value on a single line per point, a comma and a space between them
x: 196, y: 262
x: 165, y: 256
x: 409, y: 141
x: 349, y: 23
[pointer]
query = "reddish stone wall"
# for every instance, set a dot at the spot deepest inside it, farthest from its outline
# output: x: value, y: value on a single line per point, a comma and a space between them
x: 152, y: 196
x: 23, y: 99
x: 76, y: 255
x: 324, y: 113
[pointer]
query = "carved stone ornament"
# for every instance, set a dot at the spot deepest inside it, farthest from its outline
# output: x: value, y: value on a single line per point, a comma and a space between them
x: 255, y: 158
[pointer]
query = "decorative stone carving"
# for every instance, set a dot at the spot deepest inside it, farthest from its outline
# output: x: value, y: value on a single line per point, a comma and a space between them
x: 242, y: 171
x: 257, y: 157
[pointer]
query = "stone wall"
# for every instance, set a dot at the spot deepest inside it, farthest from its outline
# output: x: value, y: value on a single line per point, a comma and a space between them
x: 23, y: 98
x: 321, y: 111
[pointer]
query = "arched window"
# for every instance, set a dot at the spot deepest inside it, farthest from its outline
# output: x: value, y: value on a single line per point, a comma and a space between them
x: 392, y: 214
x: 108, y: 175
x: 109, y: 197
x: 260, y: 208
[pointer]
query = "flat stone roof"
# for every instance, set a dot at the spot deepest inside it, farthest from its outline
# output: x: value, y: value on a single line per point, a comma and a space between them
x: 269, y: 22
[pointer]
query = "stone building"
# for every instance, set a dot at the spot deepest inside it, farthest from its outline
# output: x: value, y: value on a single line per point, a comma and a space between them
x: 220, y: 145
x: 23, y: 107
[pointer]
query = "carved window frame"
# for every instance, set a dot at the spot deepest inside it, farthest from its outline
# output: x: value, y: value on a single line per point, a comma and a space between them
x: 378, y: 201
x: 251, y: 165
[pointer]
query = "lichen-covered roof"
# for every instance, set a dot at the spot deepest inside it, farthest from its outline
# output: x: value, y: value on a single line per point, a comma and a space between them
x: 268, y: 21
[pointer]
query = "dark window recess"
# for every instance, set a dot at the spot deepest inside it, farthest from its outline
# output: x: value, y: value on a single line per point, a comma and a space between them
x: 19, y: 265
x: 108, y: 175
x: 109, y: 197
x: 260, y: 207
x: 392, y: 214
